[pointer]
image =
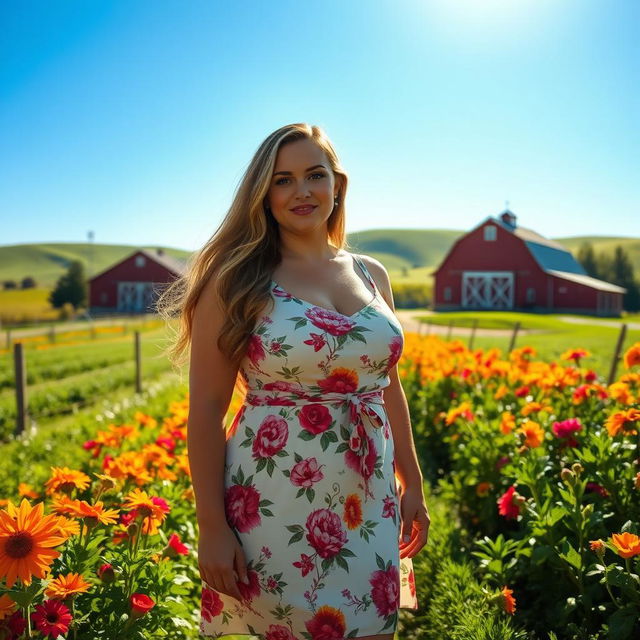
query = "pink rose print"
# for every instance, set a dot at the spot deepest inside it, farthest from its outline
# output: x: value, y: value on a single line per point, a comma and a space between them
x: 305, y: 473
x: 212, y: 604
x: 255, y: 349
x: 251, y: 590
x: 385, y: 590
x: 395, y: 351
x: 278, y: 632
x: 315, y: 417
x: 326, y: 534
x: 316, y: 340
x: 283, y: 385
x: 241, y: 507
x: 389, y: 508
x: 271, y: 437
x: 305, y: 564
x: 330, y: 321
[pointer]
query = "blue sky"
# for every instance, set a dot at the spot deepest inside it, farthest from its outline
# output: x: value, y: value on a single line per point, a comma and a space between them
x: 135, y: 119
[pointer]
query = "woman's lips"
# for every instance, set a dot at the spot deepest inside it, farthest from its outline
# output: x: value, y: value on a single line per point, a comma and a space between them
x: 301, y: 211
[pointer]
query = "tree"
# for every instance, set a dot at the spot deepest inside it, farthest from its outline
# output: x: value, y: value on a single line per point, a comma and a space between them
x: 71, y: 287
x: 587, y: 258
x: 622, y: 274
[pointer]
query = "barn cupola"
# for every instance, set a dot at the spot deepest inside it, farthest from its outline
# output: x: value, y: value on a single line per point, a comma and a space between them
x: 508, y: 218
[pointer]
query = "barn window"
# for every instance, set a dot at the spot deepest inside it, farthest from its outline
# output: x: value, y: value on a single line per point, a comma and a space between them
x: 447, y: 293
x: 531, y: 295
x: 490, y: 233
x: 140, y: 261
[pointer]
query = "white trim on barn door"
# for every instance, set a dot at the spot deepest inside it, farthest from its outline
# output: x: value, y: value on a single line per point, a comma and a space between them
x: 487, y: 289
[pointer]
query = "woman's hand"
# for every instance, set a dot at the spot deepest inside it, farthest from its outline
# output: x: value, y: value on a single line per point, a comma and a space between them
x: 221, y: 560
x: 415, y: 521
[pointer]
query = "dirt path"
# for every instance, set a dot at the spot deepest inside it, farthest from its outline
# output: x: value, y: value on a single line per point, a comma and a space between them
x: 410, y: 323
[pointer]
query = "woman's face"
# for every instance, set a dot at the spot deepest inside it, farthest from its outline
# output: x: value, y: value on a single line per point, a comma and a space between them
x: 302, y: 176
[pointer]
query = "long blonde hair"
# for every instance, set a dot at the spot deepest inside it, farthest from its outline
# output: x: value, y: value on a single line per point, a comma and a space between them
x: 243, y: 252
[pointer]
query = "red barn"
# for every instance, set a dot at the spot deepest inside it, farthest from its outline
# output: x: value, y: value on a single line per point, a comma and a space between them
x: 499, y: 265
x: 133, y: 284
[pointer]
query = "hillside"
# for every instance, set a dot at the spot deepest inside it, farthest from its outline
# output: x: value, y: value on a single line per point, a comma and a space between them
x: 417, y: 250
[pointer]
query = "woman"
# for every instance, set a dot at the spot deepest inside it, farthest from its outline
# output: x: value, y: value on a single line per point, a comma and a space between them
x: 301, y: 503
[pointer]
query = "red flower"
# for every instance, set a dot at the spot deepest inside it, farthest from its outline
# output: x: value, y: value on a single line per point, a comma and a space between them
x: 51, y: 618
x: 305, y: 564
x: 594, y: 487
x: 395, y: 351
x: 305, y: 473
x: 278, y: 632
x: 255, y: 349
x: 330, y: 321
x: 315, y: 417
x: 212, y: 604
x: 521, y: 392
x: 271, y: 437
x: 251, y: 590
x: 241, y: 507
x: 389, y: 508
x: 327, y: 624
x: 354, y: 461
x: 506, y: 505
x: 385, y: 590
x: 341, y: 380
x: 317, y: 340
x: 412, y: 583
x: 325, y: 532
x: 176, y: 547
x: 140, y: 604
x: 566, y: 428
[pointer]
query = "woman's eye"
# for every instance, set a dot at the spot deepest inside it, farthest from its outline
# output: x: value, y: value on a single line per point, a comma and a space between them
x: 279, y: 181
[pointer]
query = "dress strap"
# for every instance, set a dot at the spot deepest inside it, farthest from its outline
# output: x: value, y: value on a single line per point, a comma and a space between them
x: 367, y: 275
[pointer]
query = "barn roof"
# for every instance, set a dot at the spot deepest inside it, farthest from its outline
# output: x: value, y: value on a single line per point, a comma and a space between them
x: 174, y: 265
x: 594, y: 283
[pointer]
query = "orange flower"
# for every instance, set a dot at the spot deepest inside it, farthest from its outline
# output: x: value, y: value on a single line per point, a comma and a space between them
x: 483, y: 488
x: 620, y: 422
x: 94, y: 513
x: 509, y: 602
x: 621, y: 393
x: 507, y: 422
x: 533, y: 432
x: 597, y: 545
x: 627, y: 544
x: 534, y: 407
x: 26, y: 538
x: 352, y: 511
x: 65, y: 480
x: 632, y: 356
x: 25, y: 490
x: 7, y: 606
x: 575, y: 354
x: 501, y: 392
x: 462, y: 411
x: 64, y: 586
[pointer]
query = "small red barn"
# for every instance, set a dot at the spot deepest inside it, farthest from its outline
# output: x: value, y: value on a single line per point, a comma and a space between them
x: 133, y: 284
x: 499, y: 265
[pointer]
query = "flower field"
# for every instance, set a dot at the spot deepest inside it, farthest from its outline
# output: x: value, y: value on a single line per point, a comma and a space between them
x: 532, y: 476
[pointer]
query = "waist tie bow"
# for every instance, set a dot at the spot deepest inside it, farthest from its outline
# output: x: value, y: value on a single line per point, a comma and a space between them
x: 365, y: 409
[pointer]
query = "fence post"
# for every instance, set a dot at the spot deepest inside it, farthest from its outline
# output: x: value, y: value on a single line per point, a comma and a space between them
x: 52, y: 333
x: 138, y: 363
x: 20, y: 372
x: 514, y: 335
x: 473, y: 333
x: 616, y: 354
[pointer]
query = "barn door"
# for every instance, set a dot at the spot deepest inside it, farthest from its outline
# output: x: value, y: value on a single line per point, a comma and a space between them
x: 487, y: 289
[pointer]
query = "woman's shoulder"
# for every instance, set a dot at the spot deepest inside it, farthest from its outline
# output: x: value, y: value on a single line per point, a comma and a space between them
x: 378, y: 272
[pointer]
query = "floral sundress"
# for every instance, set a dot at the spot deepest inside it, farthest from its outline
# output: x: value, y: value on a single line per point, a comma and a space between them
x: 310, y: 485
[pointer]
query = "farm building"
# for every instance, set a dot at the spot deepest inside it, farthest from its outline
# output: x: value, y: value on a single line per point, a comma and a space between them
x: 133, y: 284
x: 499, y: 265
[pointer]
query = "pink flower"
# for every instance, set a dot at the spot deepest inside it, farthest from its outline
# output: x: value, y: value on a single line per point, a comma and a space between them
x: 315, y: 417
x: 241, y: 507
x: 506, y: 505
x: 278, y: 632
x: 354, y: 461
x: 389, y: 508
x: 282, y: 385
x: 212, y: 604
x: 255, y: 349
x: 395, y: 351
x: 325, y: 532
x: 305, y: 564
x: 385, y: 590
x: 251, y: 590
x: 566, y: 428
x: 330, y: 321
x: 271, y: 437
x: 305, y: 473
